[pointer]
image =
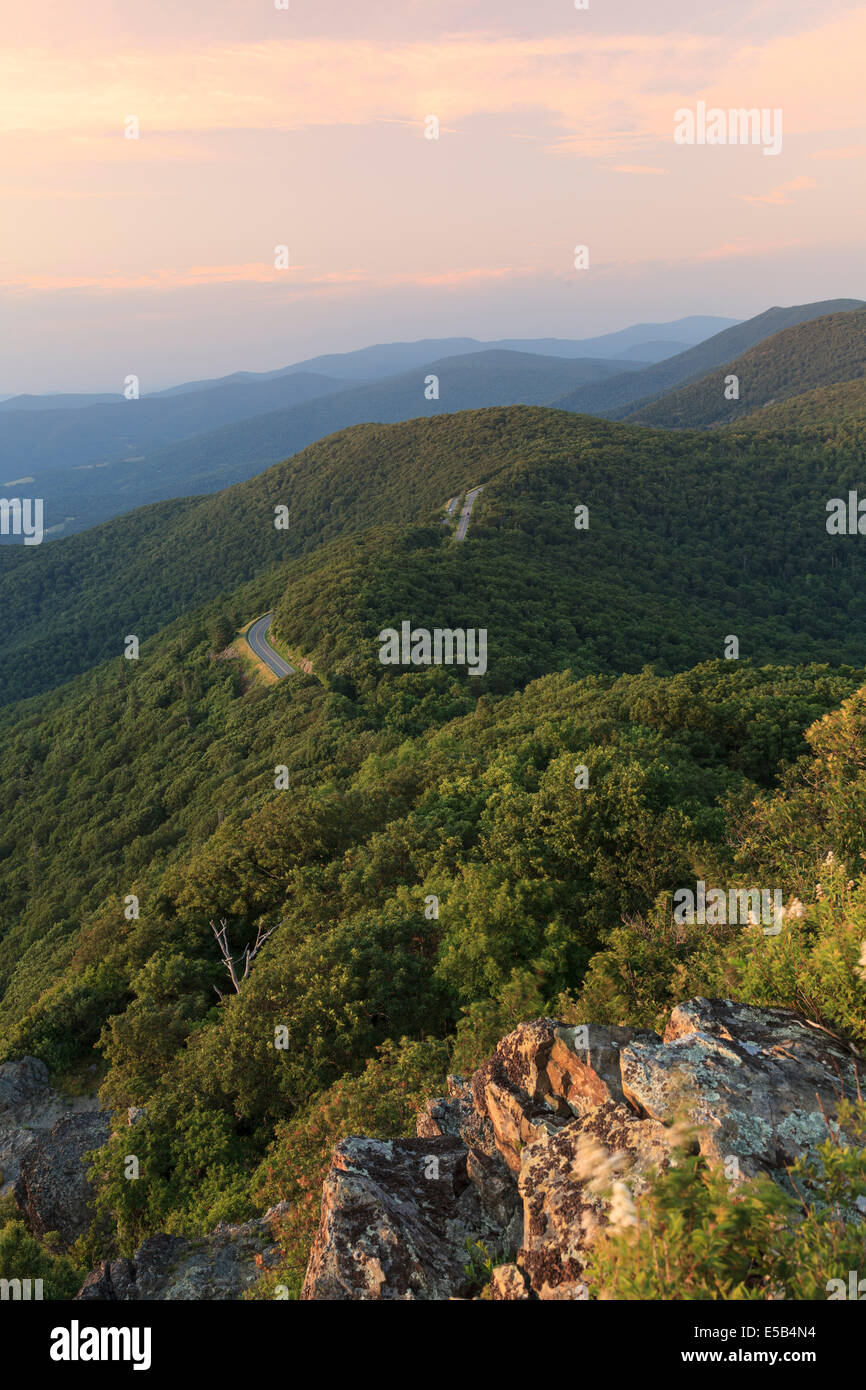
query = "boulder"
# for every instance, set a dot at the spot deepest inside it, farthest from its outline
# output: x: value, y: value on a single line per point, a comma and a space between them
x: 221, y: 1266
x: 22, y: 1084
x: 399, y: 1218
x: 561, y: 1209
x: 543, y: 1074
x: 758, y: 1084
x: 455, y: 1114
x: 29, y: 1107
x: 508, y: 1283
x: 52, y: 1189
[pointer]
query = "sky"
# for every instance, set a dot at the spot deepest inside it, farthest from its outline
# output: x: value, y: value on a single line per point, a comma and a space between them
x: 304, y: 127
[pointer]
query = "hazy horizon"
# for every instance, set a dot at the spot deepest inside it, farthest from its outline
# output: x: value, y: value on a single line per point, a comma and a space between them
x: 186, y: 377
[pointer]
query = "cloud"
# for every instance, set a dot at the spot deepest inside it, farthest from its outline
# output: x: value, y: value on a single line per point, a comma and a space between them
x: 298, y: 279
x: 283, y: 84
x: 777, y: 196
x: 637, y: 169
x: 743, y: 249
x: 843, y: 152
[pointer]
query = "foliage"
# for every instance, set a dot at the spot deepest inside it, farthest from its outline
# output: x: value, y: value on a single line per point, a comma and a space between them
x: 698, y: 1235
x: 22, y: 1256
x: 153, y: 782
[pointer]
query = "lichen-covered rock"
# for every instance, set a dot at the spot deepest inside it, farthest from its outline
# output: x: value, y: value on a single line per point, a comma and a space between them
x: 398, y: 1215
x: 455, y: 1114
x: 221, y: 1266
x: 544, y: 1073
x: 584, y: 1064
x: 29, y: 1107
x: 443, y: 1115
x: 22, y: 1083
x: 758, y: 1084
x: 513, y: 1091
x: 52, y: 1190
x: 755, y: 1084
x: 508, y: 1283
x: 561, y: 1212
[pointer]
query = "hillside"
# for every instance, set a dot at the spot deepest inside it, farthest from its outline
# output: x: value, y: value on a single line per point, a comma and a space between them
x: 77, y: 497
x: 67, y: 603
x: 63, y: 438
x: 415, y: 842
x: 823, y: 408
x: 828, y: 351
x: 620, y: 396
x: 156, y: 779
x: 650, y: 495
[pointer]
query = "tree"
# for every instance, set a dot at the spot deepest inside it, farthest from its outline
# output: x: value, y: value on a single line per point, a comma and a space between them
x: 221, y: 934
x: 221, y: 633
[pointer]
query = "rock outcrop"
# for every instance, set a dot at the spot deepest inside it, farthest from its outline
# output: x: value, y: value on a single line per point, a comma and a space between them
x: 400, y: 1218
x: 43, y: 1136
x: 222, y: 1265
x: 52, y: 1190
x: 500, y: 1166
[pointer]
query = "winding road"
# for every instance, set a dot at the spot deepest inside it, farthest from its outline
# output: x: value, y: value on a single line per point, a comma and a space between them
x: 257, y: 637
x: 257, y: 633
x: 465, y: 514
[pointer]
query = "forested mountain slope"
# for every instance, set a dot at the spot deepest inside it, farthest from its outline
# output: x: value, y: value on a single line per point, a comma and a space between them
x: 619, y: 397
x: 828, y: 351
x: 416, y: 839
x: 153, y: 782
x: 825, y: 408
x: 131, y: 474
x: 689, y: 519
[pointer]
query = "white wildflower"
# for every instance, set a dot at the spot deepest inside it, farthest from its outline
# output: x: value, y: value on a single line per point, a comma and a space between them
x: 591, y: 1158
x: 623, y: 1211
x: 594, y: 1165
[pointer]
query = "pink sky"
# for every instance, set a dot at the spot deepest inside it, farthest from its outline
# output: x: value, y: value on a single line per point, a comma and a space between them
x: 305, y: 127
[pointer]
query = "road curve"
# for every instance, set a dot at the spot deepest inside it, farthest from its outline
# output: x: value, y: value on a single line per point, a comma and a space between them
x: 467, y: 511
x: 258, y: 640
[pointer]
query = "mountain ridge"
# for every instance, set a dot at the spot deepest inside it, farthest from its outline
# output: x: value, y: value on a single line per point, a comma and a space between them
x: 618, y: 398
x: 826, y: 351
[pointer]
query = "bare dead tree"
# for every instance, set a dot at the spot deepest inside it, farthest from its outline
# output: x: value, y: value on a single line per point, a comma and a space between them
x: 245, y: 959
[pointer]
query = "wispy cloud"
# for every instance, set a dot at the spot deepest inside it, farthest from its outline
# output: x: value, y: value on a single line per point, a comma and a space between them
x: 843, y: 152
x: 778, y: 196
x: 294, y: 83
x: 638, y: 169
x: 299, y: 279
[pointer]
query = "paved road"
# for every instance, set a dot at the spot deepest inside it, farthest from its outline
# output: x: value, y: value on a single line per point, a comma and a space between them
x: 258, y: 640
x: 448, y: 510
x: 465, y: 514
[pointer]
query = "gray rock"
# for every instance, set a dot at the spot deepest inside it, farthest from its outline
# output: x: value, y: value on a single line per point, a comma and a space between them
x: 759, y: 1084
x: 29, y: 1106
x: 397, y: 1216
x: 220, y: 1266
x: 52, y: 1189
x: 22, y: 1083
